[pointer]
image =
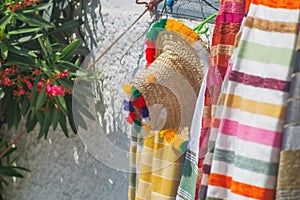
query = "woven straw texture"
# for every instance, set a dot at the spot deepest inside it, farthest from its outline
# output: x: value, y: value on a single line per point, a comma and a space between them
x: 178, y: 77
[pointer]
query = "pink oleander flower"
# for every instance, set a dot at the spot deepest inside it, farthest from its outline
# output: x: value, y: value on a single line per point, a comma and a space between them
x: 54, y: 90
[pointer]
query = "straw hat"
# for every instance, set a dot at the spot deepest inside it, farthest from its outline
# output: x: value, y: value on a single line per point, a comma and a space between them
x: 171, y: 83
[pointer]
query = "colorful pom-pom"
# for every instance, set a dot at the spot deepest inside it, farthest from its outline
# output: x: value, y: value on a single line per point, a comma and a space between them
x: 150, y: 78
x: 139, y: 102
x: 126, y: 105
x: 150, y: 55
x: 135, y: 93
x: 146, y: 128
x: 156, y: 28
x: 145, y: 112
x: 168, y: 135
x: 137, y: 125
x: 127, y: 88
x: 131, y: 117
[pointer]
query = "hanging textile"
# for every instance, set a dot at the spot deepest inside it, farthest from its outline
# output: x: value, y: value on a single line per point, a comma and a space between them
x: 161, y: 102
x: 252, y: 104
x: 190, y: 173
x: 228, y: 23
x: 288, y: 185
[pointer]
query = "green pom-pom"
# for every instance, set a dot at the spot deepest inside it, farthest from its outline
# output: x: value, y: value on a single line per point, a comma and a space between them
x: 183, y: 147
x: 156, y: 28
x: 137, y: 125
x: 135, y: 93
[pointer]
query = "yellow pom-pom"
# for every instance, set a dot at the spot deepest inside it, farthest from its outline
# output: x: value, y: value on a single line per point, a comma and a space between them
x: 168, y: 135
x: 150, y: 78
x: 146, y: 128
x: 127, y: 88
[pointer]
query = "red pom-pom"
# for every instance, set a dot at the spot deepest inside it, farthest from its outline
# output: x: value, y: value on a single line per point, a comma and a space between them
x: 150, y: 54
x: 130, y: 118
x: 139, y: 102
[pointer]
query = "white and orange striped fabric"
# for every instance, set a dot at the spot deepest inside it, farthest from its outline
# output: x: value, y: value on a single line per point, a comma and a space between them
x: 253, y: 103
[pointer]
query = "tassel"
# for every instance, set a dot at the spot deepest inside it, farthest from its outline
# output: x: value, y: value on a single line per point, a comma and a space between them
x: 127, y: 88
x: 150, y: 55
x: 135, y: 93
x: 156, y: 28
x: 145, y: 112
x: 150, y: 79
x: 130, y: 118
x: 126, y: 105
x: 137, y: 125
x: 146, y: 128
x: 131, y: 108
x: 139, y: 103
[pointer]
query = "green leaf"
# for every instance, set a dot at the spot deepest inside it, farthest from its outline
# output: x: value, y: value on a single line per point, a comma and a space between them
x: 56, y: 118
x: 5, y: 20
x: 10, y: 114
x: 68, y: 84
x: 41, y: 99
x: 47, y: 122
x: 34, y: 20
x: 29, y: 38
x: 39, y: 7
x: 76, y: 67
x: 10, y: 171
x: 17, y: 115
x: 4, y: 50
x: 24, y: 30
x: 34, y: 92
x: 21, y: 51
x: 68, y: 51
x: 63, y: 125
x: 67, y: 26
x: 40, y: 117
x: 21, y: 168
x: 25, y: 106
x: 60, y: 100
x: 31, y: 122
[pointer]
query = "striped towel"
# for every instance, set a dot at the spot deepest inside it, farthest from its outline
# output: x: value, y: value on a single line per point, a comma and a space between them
x: 136, y: 148
x: 288, y: 184
x: 248, y: 140
x: 160, y: 167
x: 228, y: 24
x: 187, y: 187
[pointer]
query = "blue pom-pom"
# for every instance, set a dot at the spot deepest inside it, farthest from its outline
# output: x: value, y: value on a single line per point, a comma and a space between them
x: 131, y: 108
x: 126, y: 106
x: 145, y: 112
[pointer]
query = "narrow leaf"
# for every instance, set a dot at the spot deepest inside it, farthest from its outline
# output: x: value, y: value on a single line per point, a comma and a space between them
x: 6, y: 19
x: 67, y: 27
x: 63, y: 125
x: 41, y: 99
x: 68, y: 51
x: 60, y: 100
x: 24, y: 30
x: 56, y: 118
x: 4, y: 50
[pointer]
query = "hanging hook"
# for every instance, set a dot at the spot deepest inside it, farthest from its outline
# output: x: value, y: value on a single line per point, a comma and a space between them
x: 140, y: 3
